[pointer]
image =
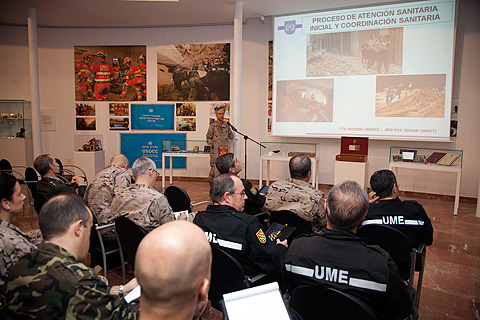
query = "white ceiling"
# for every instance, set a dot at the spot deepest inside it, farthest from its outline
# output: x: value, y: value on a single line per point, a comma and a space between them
x: 118, y: 13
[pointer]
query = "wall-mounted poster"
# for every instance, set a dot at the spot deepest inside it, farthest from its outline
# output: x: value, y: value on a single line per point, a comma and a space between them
x: 84, y: 109
x: 153, y: 116
x: 186, y: 110
x: 193, y: 72
x: 85, y: 123
x: 186, y: 124
x: 119, y: 123
x: 151, y: 145
x: 110, y: 73
x: 215, y: 106
x: 118, y: 109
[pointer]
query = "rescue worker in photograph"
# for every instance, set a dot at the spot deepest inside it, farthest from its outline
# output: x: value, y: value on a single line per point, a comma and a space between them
x: 101, y: 75
x: 134, y: 78
x: 82, y: 76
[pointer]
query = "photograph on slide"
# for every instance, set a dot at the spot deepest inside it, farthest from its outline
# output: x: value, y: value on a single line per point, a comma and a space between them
x: 377, y: 51
x: 411, y: 96
x: 305, y: 100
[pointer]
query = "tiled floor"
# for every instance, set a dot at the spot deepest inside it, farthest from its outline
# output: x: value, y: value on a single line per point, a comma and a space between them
x: 451, y: 285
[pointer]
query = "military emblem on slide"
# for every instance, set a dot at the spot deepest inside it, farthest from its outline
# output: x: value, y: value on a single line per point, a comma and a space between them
x: 261, y: 236
x: 289, y: 27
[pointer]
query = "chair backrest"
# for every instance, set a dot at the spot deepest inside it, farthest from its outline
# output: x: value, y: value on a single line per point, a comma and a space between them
x: 286, y: 217
x: 227, y: 276
x: 389, y: 239
x: 178, y: 199
x: 5, y: 166
x: 39, y: 199
x: 60, y: 166
x: 31, y: 179
x: 315, y: 302
x: 129, y: 235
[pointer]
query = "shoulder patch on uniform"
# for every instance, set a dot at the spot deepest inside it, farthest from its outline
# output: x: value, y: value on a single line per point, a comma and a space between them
x: 253, y: 190
x: 261, y: 236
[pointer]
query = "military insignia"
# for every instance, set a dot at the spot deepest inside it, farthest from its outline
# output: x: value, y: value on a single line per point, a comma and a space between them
x: 261, y: 236
x: 222, y: 150
x: 253, y: 190
x: 289, y: 27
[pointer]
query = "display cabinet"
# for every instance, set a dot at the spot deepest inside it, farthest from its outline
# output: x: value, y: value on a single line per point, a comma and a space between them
x: 287, y: 149
x: 16, y: 132
x: 444, y: 160
x: 283, y: 151
x: 15, y: 115
x: 436, y: 157
x: 185, y: 146
x: 182, y: 148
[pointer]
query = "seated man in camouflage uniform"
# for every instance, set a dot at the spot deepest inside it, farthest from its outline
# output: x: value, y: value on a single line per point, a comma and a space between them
x: 143, y: 204
x: 255, y: 202
x: 297, y: 195
x: 50, y: 185
x: 51, y: 283
x: 107, y: 183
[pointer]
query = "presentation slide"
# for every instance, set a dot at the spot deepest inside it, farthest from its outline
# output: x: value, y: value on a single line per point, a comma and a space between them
x: 380, y: 72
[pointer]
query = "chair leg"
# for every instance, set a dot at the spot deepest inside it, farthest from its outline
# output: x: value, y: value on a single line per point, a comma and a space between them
x: 122, y: 259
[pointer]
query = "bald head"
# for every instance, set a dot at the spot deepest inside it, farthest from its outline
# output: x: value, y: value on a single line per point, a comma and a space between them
x: 172, y: 266
x: 120, y: 161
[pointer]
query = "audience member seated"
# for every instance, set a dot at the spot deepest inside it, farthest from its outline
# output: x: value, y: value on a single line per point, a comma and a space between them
x: 255, y: 202
x: 386, y: 208
x: 297, y: 195
x: 174, y: 272
x: 51, y: 282
x: 100, y: 192
x: 337, y: 258
x: 142, y: 203
x: 50, y: 185
x: 14, y: 244
x: 241, y: 234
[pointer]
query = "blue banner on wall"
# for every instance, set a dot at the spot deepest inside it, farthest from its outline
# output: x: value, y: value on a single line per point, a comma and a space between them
x: 150, y: 145
x: 153, y: 116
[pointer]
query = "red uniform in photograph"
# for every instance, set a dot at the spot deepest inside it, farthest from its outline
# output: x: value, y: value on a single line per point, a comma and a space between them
x: 101, y: 74
x: 143, y: 67
x: 134, y: 79
x: 82, y: 75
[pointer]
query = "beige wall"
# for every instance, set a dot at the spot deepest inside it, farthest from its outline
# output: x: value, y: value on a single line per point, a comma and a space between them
x: 57, y: 92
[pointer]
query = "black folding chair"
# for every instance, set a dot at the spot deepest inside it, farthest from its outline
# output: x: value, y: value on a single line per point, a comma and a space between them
x: 228, y: 276
x: 129, y: 236
x: 179, y: 200
x: 100, y: 248
x: 321, y: 302
x: 398, y: 245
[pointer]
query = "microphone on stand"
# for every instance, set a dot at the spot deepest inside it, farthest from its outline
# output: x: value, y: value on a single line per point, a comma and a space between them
x: 231, y: 126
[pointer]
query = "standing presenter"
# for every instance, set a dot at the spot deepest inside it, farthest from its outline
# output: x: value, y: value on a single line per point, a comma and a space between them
x: 218, y: 130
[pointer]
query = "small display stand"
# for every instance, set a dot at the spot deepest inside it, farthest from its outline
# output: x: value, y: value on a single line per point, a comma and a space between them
x: 430, y: 160
x: 91, y: 162
x: 352, y: 162
x: 283, y: 151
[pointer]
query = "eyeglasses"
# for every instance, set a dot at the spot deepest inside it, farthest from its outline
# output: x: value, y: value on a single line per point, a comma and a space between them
x: 158, y: 174
x: 240, y: 193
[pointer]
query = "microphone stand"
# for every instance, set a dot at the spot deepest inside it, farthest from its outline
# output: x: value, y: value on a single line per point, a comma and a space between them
x: 245, y: 137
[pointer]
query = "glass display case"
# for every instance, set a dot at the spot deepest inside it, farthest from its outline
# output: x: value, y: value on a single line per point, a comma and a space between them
x: 15, y: 119
x: 427, y: 156
x: 186, y: 146
x: 288, y: 149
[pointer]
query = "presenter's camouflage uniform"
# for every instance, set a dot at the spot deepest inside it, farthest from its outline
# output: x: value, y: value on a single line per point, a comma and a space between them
x: 298, y: 197
x: 49, y: 283
x: 144, y: 205
x: 217, y: 132
x: 14, y: 244
x: 99, y: 195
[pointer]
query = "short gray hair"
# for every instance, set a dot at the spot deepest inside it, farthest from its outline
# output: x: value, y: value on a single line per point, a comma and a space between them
x: 347, y: 204
x: 222, y: 184
x: 141, y: 166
